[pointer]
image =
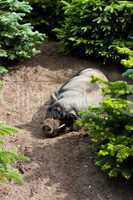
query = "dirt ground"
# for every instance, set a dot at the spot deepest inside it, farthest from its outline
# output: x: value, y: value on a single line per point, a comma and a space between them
x: 61, y: 168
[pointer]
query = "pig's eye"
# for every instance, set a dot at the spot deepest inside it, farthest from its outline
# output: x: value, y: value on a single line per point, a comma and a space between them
x: 58, y: 109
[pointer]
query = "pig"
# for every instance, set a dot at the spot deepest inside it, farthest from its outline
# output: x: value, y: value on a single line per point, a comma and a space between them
x: 74, y: 96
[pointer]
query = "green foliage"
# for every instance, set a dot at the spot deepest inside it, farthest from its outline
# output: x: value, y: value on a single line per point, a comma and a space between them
x: 46, y: 14
x: 110, y: 127
x: 17, y: 40
x: 3, y: 70
x: 128, y: 62
x: 9, y: 157
x: 98, y: 28
x: 128, y: 74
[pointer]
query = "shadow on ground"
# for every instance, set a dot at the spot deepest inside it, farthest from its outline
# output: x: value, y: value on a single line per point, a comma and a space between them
x: 51, y: 59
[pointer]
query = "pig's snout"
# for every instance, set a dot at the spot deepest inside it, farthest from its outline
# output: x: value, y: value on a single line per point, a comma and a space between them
x: 47, y: 129
x: 51, y: 127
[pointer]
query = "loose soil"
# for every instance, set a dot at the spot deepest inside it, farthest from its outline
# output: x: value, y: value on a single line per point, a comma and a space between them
x: 61, y: 168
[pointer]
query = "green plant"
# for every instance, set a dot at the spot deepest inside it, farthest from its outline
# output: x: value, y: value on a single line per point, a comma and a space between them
x: 3, y: 70
x: 110, y: 127
x: 9, y: 157
x: 46, y: 15
x: 17, y: 39
x: 98, y: 28
x: 127, y: 62
x: 128, y: 74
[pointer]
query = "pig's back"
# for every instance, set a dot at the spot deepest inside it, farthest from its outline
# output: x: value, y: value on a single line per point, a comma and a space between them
x: 80, y: 92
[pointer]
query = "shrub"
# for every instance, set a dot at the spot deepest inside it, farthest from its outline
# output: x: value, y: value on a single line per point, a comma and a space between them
x: 128, y: 74
x: 110, y: 127
x: 9, y: 157
x: 46, y: 14
x: 97, y: 27
x: 17, y: 40
x: 127, y: 62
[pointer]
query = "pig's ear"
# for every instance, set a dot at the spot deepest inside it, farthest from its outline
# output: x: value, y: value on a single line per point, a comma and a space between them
x: 53, y: 96
x: 73, y: 115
